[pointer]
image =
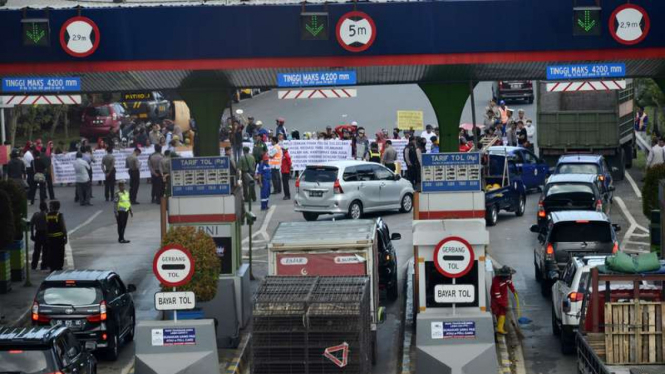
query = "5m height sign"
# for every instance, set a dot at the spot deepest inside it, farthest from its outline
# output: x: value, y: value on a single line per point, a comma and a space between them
x: 356, y: 31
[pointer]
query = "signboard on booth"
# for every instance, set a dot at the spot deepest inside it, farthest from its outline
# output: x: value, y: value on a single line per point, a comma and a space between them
x: 173, y: 336
x: 200, y: 176
x: 451, y: 172
x: 453, y: 330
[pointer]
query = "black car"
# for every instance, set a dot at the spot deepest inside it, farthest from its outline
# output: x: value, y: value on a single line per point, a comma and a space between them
x: 42, y: 350
x: 387, y: 260
x: 513, y: 90
x: 571, y: 233
x: 572, y: 192
x: 95, y: 304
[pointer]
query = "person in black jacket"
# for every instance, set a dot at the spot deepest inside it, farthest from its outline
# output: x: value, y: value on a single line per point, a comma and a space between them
x: 57, y: 236
x: 39, y: 177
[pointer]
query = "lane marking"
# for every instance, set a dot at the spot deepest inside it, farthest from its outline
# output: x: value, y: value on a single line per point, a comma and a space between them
x: 69, y: 253
x: 633, y: 225
x: 634, y: 185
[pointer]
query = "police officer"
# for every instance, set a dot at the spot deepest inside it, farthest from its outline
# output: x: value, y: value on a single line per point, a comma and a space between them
x: 122, y: 208
x: 57, y: 236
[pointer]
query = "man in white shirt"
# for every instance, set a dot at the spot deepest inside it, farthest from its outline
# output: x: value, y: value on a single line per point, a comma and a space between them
x: 530, y: 132
x: 428, y: 133
x: 82, y: 169
x: 657, y: 154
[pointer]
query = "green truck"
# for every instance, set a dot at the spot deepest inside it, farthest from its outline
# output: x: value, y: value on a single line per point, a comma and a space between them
x: 587, y: 122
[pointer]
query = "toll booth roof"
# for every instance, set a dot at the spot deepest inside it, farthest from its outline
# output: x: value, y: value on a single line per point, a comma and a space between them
x: 430, y: 232
x: 324, y: 233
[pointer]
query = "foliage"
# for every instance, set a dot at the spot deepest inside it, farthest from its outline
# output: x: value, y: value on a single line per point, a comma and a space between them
x: 207, y: 265
x: 648, y: 94
x: 7, y: 230
x: 19, y: 203
x: 650, y: 189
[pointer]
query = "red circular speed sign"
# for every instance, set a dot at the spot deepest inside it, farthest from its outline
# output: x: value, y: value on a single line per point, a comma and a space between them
x: 173, y: 265
x: 79, y: 36
x: 356, y: 31
x: 453, y: 257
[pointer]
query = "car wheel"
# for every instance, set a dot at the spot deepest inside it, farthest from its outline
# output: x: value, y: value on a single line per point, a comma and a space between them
x: 393, y: 291
x: 545, y: 286
x: 407, y: 203
x: 492, y: 215
x: 310, y: 216
x: 132, y: 328
x: 521, y: 207
x: 539, y: 276
x: 113, y: 351
x: 556, y: 330
x: 567, y: 343
x: 355, y: 210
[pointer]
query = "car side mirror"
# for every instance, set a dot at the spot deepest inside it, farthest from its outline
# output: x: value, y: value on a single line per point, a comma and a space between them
x: 535, y: 229
x: 398, y: 177
x: 131, y: 288
x: 396, y: 236
x: 616, y: 227
x: 554, y: 276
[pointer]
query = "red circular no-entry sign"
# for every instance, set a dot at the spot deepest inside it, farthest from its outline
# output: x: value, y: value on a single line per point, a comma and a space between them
x: 173, y: 265
x: 629, y: 24
x: 356, y: 31
x: 453, y: 257
x: 79, y: 36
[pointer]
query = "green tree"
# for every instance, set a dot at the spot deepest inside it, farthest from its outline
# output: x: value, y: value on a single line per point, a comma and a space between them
x: 648, y: 94
x: 650, y: 188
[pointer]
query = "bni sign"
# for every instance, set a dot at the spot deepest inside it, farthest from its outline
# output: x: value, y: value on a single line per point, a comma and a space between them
x: 317, y: 79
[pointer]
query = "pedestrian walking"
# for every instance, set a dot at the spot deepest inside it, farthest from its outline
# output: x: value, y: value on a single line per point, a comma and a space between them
x: 530, y: 133
x: 260, y: 147
x: 122, y: 208
x: 27, y: 161
x: 264, y: 175
x: 82, y: 168
x: 108, y: 168
x: 155, y: 166
x: 501, y: 283
x: 247, y: 166
x: 90, y: 159
x: 39, y: 235
x: 286, y: 172
x: 389, y: 156
x: 133, y: 165
x: 657, y: 154
x: 57, y: 236
x: 411, y: 160
x: 48, y: 169
x: 275, y: 153
x: 16, y: 169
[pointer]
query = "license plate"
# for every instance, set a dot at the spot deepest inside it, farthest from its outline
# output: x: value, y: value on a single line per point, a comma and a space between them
x: 67, y: 322
x: 315, y: 193
x: 516, y: 85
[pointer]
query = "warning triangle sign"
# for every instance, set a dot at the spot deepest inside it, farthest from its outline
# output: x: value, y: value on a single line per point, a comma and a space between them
x: 338, y: 354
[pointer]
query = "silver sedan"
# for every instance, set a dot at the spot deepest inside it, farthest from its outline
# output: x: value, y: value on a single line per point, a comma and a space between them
x: 351, y: 188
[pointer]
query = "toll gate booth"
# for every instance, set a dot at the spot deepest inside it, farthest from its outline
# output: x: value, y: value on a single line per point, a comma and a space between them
x: 205, y: 196
x: 454, y: 329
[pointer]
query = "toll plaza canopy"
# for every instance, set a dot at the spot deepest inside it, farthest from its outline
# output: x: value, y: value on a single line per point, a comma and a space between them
x: 150, y: 45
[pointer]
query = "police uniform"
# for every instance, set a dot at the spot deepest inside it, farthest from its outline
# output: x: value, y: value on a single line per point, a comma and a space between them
x: 56, y: 240
x: 265, y: 171
x: 374, y: 157
x: 122, y: 208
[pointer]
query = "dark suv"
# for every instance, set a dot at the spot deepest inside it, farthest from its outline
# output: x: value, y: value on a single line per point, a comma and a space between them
x: 586, y: 164
x: 571, y: 233
x: 387, y: 260
x: 572, y: 192
x: 94, y: 304
x: 42, y: 350
x: 512, y: 90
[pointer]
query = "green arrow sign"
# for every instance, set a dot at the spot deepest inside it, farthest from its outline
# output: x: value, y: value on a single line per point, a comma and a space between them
x: 314, y: 26
x: 36, y: 32
x: 586, y: 21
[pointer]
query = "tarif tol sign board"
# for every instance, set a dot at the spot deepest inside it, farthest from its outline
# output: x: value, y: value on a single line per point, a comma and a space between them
x: 173, y: 265
x: 200, y: 176
x: 451, y: 172
x: 453, y: 257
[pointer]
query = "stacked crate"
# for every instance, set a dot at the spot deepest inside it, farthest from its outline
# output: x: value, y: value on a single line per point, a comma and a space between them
x: 296, y: 318
x: 5, y: 272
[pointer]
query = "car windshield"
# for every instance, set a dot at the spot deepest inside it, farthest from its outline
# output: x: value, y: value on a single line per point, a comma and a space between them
x: 568, y: 189
x: 580, y: 231
x: 319, y: 174
x: 100, y: 111
x: 577, y: 169
x: 25, y: 361
x: 71, y: 295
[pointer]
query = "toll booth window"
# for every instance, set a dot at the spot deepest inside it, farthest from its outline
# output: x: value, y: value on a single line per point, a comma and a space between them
x: 433, y: 278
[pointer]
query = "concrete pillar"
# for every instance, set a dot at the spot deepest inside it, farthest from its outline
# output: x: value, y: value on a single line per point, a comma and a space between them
x: 448, y: 101
x: 207, y: 95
